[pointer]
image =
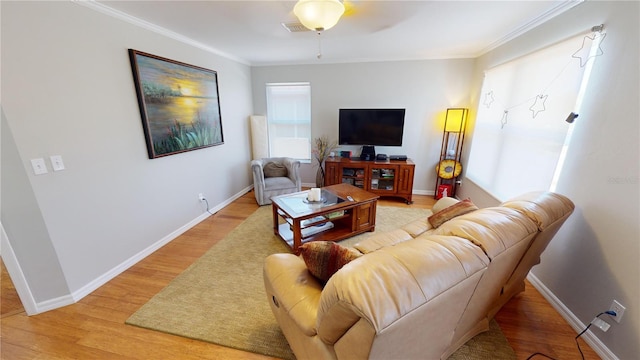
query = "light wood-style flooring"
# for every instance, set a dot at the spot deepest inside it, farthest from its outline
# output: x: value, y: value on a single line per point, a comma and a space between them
x: 94, y: 327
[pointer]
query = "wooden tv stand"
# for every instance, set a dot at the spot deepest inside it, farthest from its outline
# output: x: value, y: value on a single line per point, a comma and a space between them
x: 384, y: 178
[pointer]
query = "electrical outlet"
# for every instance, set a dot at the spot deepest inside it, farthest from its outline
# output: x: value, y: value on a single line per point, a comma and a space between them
x: 201, y: 197
x: 601, y: 324
x: 619, y: 309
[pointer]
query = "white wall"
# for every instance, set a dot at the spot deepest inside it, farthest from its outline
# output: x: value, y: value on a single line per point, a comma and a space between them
x: 425, y: 88
x: 68, y: 90
x: 594, y: 258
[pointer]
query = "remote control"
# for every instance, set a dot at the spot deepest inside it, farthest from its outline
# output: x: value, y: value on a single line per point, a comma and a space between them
x: 349, y: 198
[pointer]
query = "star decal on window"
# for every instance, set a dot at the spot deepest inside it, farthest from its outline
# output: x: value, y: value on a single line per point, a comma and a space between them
x: 588, y: 50
x: 488, y: 98
x: 503, y: 121
x: 538, y: 105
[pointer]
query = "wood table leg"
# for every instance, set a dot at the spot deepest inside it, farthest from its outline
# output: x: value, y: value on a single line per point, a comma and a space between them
x: 274, y: 209
x: 297, y: 236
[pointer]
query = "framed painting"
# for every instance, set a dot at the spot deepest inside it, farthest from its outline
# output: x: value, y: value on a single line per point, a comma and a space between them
x: 179, y: 104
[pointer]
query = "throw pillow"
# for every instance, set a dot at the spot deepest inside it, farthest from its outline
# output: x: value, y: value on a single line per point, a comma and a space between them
x: 274, y: 169
x: 325, y: 258
x: 444, y: 202
x: 452, y: 211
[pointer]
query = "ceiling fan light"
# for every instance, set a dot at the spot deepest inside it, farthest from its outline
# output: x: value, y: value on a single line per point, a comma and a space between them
x: 318, y: 14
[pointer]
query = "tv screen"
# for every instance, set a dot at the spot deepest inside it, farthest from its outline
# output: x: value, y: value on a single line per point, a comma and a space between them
x: 382, y: 127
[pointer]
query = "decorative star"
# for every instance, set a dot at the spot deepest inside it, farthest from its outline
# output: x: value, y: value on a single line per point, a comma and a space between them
x: 504, y: 119
x: 538, y: 105
x: 488, y: 99
x: 587, y: 52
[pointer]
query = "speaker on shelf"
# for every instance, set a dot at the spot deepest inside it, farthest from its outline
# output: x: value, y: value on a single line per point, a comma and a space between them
x: 382, y: 157
x: 398, y: 157
x: 368, y: 153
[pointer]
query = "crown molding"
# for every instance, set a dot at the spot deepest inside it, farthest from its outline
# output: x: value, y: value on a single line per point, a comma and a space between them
x: 96, y: 6
x: 555, y: 11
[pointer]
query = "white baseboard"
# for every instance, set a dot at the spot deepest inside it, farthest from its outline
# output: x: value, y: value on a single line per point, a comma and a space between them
x: 53, y: 304
x: 423, y: 192
x: 98, y: 282
x: 17, y: 276
x: 32, y: 307
x: 111, y: 274
x: 589, y: 337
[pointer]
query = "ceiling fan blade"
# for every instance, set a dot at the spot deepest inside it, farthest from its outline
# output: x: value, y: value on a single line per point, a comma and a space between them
x: 374, y: 16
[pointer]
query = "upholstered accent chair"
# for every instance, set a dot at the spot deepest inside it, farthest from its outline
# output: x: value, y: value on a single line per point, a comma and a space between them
x: 275, y: 176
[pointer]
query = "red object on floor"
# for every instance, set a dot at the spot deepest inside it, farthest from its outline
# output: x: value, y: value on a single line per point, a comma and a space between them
x: 444, y: 190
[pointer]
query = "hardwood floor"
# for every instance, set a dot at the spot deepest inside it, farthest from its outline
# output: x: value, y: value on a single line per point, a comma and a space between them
x: 94, y: 327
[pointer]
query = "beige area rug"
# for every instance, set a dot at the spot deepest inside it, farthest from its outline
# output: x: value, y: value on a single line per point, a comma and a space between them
x: 221, y: 298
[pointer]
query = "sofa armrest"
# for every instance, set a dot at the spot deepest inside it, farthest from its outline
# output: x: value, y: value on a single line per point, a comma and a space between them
x: 258, y: 173
x: 292, y: 290
x: 293, y: 168
x: 258, y: 179
x: 543, y: 207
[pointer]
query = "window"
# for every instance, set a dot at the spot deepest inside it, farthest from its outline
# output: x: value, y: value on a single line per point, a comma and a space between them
x: 289, y: 120
x: 521, y: 135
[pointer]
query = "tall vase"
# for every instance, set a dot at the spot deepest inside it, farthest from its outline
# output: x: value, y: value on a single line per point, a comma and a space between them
x: 320, y: 177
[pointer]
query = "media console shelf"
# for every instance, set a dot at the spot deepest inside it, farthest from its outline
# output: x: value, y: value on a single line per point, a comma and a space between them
x: 384, y: 178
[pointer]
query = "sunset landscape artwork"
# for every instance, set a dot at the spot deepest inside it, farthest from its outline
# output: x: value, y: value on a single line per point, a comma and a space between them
x: 179, y: 104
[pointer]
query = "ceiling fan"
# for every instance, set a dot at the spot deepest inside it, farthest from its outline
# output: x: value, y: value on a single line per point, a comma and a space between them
x: 319, y: 15
x: 322, y: 15
x: 363, y: 16
x: 316, y: 15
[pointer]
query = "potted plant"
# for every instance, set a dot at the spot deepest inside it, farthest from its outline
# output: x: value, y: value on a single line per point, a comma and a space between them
x: 323, y: 147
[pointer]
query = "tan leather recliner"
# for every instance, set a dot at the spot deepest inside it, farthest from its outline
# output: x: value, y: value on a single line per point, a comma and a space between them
x: 416, y: 294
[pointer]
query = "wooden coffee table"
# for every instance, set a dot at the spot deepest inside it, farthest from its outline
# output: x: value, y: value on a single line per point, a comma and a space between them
x: 336, y: 217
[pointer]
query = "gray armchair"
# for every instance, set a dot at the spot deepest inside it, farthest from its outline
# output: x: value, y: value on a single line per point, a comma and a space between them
x: 278, y: 181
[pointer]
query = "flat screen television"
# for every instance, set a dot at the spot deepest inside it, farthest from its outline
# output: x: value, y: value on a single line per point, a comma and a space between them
x: 381, y: 127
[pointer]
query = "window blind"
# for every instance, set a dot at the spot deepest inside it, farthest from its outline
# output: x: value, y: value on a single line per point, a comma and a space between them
x: 520, y: 129
x: 289, y: 120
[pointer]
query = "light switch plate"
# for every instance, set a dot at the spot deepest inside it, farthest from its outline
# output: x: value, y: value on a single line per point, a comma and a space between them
x: 39, y: 167
x: 56, y: 162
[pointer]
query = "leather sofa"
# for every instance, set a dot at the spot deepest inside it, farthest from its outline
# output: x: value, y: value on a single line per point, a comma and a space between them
x: 418, y: 292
